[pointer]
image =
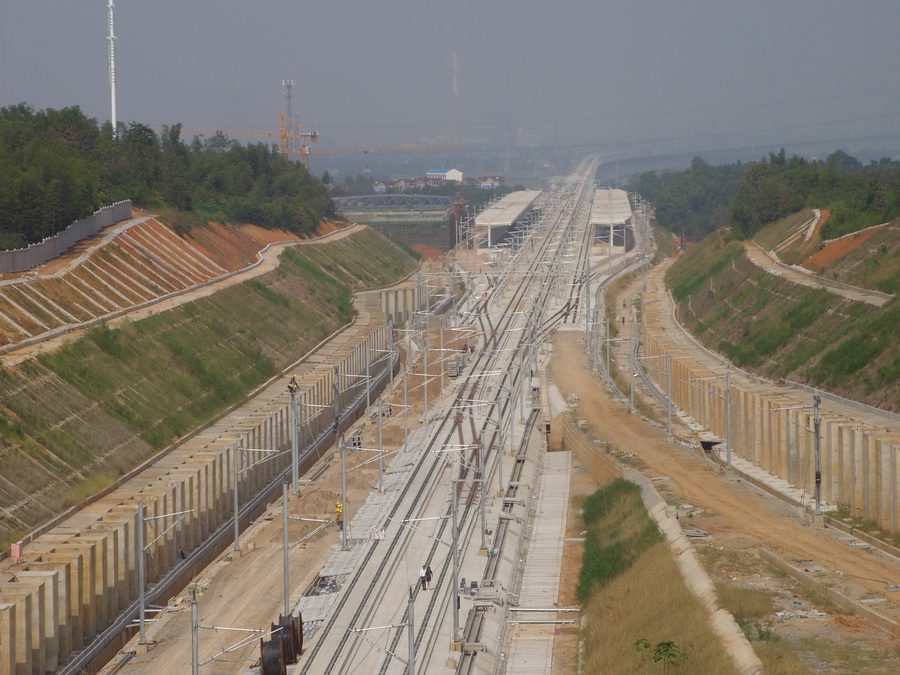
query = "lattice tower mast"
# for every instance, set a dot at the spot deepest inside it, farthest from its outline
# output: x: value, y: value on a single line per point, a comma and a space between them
x: 112, y: 65
x: 455, y: 97
x: 290, y: 145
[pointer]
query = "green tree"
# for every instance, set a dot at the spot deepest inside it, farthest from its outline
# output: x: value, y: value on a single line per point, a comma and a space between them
x: 57, y: 166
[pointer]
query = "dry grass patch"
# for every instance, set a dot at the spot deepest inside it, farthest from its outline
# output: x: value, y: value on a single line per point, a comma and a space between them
x: 650, y: 601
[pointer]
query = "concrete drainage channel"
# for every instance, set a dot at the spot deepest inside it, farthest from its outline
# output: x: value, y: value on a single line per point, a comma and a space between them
x: 697, y: 580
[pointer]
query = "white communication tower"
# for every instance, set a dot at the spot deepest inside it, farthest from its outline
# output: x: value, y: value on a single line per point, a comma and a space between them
x: 112, y: 66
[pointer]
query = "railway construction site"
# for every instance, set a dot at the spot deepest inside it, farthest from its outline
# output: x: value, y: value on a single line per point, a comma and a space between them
x: 455, y: 474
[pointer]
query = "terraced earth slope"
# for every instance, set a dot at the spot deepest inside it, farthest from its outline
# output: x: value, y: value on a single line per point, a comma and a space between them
x: 765, y: 323
x: 74, y: 420
x: 129, y: 264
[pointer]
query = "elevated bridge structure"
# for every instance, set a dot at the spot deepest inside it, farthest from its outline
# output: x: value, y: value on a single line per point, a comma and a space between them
x: 393, y: 201
x: 612, y: 220
x: 412, y: 219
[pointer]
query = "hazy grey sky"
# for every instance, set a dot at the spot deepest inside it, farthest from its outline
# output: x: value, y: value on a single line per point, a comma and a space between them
x: 372, y: 72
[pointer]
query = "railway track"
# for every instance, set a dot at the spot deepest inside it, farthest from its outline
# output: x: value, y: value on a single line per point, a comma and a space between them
x: 514, y: 312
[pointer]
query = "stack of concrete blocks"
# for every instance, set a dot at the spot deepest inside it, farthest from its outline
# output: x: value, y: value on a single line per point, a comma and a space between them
x: 75, y: 579
x: 772, y: 426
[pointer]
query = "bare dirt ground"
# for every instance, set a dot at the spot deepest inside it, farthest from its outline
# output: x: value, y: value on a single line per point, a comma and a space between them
x: 430, y: 253
x: 831, y: 253
x: 740, y: 520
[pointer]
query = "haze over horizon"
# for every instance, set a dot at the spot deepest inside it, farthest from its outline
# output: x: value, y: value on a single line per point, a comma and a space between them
x: 712, y: 74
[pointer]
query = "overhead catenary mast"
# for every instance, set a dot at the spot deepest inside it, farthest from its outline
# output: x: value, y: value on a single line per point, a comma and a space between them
x: 112, y: 66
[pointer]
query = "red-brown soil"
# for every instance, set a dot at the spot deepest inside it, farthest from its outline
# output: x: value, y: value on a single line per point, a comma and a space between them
x: 430, y: 253
x: 837, y: 249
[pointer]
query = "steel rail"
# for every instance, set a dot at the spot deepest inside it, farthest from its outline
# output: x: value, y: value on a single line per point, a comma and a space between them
x: 436, y: 463
x: 496, y: 336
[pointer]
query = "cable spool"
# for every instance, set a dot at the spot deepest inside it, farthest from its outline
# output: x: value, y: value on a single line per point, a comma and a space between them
x: 272, y: 657
x: 298, y: 621
x: 282, y: 634
x: 284, y: 631
x: 293, y: 624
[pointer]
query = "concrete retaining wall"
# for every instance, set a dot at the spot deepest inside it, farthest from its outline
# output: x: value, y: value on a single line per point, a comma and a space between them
x: 772, y: 427
x: 74, y: 580
x: 602, y: 468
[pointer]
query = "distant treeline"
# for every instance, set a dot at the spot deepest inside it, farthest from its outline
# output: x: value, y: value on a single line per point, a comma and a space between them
x: 748, y: 196
x: 57, y: 166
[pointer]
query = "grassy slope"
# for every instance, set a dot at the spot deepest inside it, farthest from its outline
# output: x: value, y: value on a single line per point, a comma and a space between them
x: 73, y: 421
x: 781, y: 330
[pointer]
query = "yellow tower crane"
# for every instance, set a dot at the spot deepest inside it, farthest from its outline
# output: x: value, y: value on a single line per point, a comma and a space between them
x: 293, y: 140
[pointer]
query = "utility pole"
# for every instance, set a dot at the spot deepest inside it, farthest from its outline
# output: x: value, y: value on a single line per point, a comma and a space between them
x: 608, y: 347
x: 195, y: 633
x: 284, y: 517
x: 380, y: 450
x: 390, y: 335
x: 442, y: 356
x: 411, y: 631
x: 631, y: 366
x: 368, y: 377
x: 669, y: 388
x: 587, y: 300
x: 405, y: 403
x: 481, y: 485
x: 234, y: 485
x: 343, y: 493
x: 141, y: 573
x: 454, y: 557
x: 293, y: 388
x: 728, y: 421
x: 425, y: 366
x: 339, y: 445
x: 817, y: 427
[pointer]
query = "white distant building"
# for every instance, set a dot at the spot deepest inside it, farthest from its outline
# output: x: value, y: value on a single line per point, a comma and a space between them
x: 442, y: 175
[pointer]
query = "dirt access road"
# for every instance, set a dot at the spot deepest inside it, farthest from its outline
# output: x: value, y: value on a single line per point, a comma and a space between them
x: 740, y: 508
x: 737, y: 516
x: 767, y: 261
